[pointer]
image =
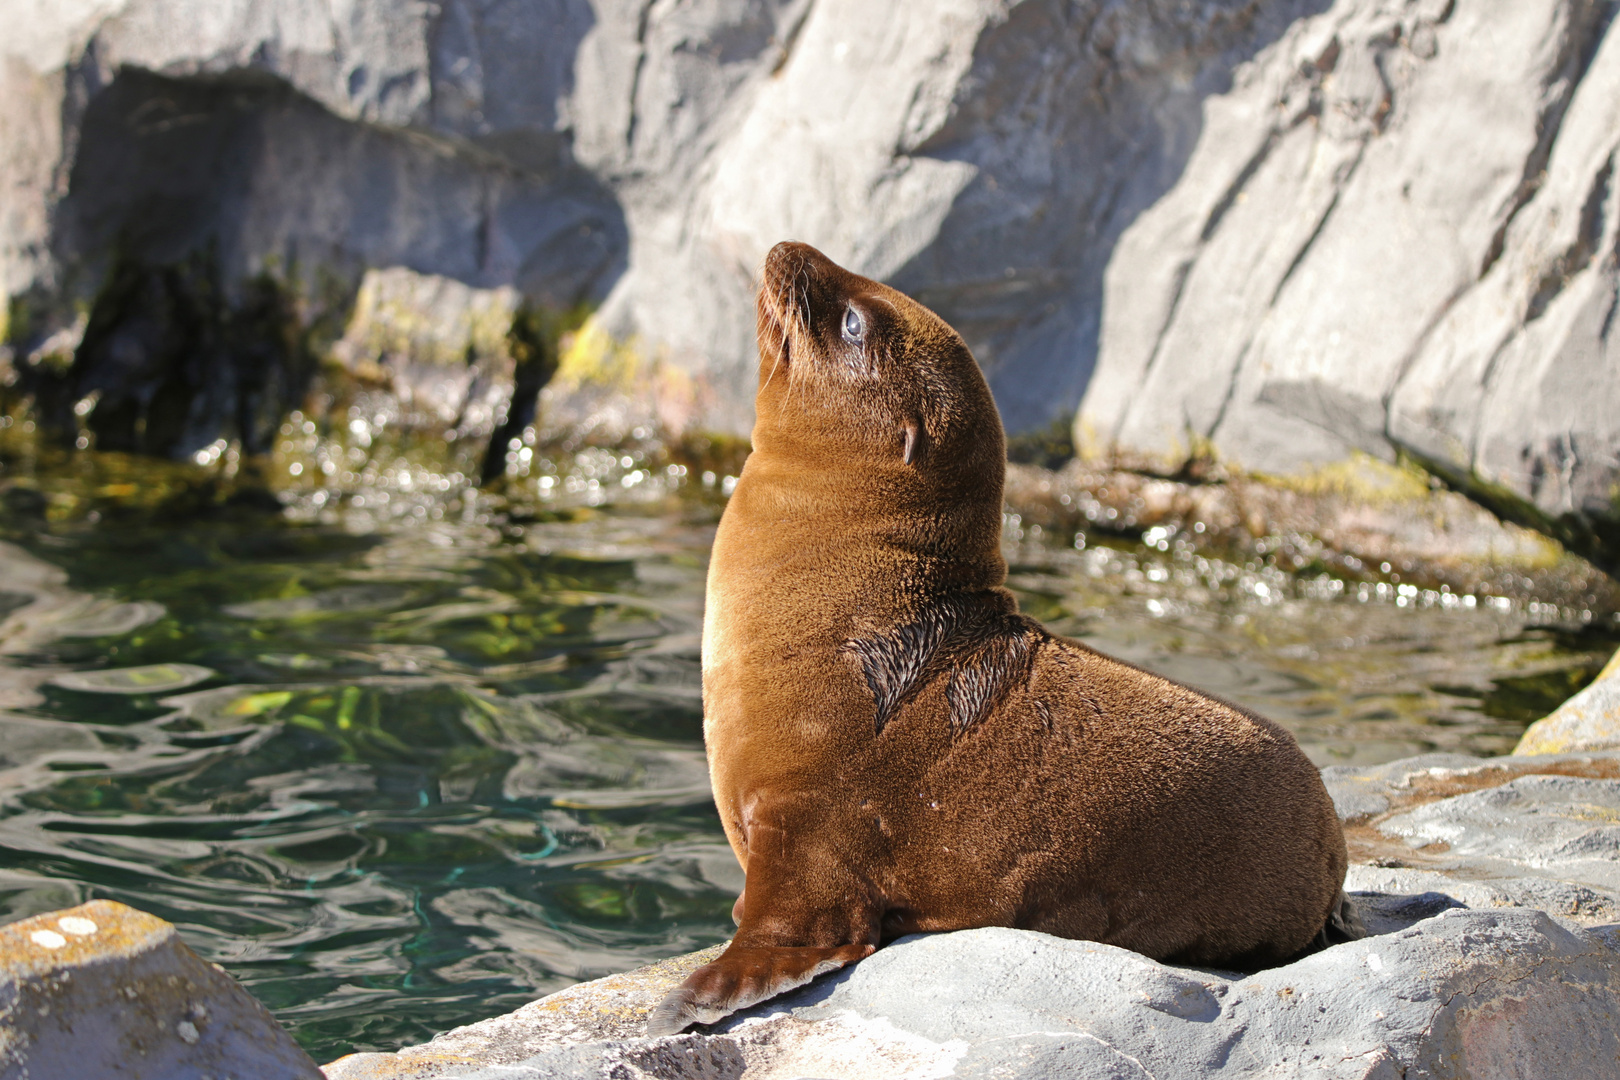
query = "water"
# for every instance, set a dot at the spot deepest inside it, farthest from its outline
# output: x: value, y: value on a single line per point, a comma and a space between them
x: 406, y: 764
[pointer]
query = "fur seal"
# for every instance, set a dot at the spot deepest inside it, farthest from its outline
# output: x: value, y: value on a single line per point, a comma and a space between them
x: 894, y: 748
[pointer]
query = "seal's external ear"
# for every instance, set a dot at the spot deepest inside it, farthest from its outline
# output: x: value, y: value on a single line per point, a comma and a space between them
x: 914, y: 438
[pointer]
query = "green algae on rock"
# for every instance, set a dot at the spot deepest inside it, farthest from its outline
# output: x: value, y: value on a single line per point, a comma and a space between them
x: 1588, y: 721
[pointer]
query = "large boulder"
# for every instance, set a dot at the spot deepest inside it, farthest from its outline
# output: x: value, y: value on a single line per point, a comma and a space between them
x: 1487, y: 885
x: 1462, y: 994
x: 103, y: 990
x: 1284, y: 231
x: 984, y: 155
x: 1396, y: 235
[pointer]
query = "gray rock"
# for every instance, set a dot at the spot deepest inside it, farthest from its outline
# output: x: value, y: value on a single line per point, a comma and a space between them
x: 1527, y: 830
x: 612, y: 1009
x: 1390, y: 237
x: 1450, y: 996
x: 1490, y: 948
x: 1288, y: 232
x: 105, y: 990
x: 984, y: 157
x: 1556, y: 824
x: 1362, y: 792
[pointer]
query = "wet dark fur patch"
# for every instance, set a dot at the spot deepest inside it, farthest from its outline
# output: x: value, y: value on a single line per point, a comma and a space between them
x: 982, y: 655
x: 894, y: 663
x: 979, y: 677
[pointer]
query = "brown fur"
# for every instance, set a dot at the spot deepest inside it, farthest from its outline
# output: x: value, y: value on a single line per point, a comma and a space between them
x: 895, y: 748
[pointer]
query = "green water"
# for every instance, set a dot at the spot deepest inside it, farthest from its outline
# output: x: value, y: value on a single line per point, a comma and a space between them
x: 436, y: 754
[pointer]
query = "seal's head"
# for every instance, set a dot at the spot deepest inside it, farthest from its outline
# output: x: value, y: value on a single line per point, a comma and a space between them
x: 855, y: 373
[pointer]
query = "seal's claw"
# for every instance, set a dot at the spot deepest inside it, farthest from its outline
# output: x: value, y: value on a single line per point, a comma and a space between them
x: 739, y: 978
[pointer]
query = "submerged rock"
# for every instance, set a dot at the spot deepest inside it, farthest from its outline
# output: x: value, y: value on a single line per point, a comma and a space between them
x: 1484, y: 883
x: 103, y: 990
x: 1588, y: 721
x: 1361, y: 521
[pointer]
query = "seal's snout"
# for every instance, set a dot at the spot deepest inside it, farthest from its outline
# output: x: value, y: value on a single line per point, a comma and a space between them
x: 790, y: 257
x: 788, y: 273
x: 792, y: 267
x: 785, y: 297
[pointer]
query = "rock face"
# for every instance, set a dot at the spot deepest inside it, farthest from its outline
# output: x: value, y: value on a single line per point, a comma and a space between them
x: 1494, y: 958
x: 1283, y: 230
x: 1588, y: 721
x: 105, y: 990
x: 1397, y: 233
x: 982, y: 154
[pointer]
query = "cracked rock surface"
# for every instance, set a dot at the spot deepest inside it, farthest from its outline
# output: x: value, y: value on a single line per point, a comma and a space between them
x: 1280, y: 231
x: 1398, y: 232
x: 1488, y: 885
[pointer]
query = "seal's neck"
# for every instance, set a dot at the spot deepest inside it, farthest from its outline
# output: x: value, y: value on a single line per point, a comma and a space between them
x: 938, y: 532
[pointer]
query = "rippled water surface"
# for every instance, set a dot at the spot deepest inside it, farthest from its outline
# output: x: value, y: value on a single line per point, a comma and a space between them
x: 403, y: 772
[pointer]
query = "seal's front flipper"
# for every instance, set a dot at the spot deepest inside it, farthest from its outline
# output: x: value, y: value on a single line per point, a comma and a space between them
x: 803, y: 912
x: 742, y: 977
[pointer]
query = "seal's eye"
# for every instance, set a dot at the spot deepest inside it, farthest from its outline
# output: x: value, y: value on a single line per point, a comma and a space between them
x: 854, y: 326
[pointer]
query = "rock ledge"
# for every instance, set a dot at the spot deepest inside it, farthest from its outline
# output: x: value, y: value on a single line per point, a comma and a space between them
x: 1489, y: 887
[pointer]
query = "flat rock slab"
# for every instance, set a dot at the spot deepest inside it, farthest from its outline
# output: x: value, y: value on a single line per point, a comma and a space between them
x: 103, y: 990
x: 1539, y: 831
x: 609, y: 1010
x: 1486, y: 884
x: 1464, y: 993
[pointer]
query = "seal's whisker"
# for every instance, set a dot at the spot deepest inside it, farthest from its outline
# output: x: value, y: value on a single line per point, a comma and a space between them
x: 785, y: 328
x: 774, y: 366
x: 781, y: 346
x: 796, y: 328
x: 804, y: 315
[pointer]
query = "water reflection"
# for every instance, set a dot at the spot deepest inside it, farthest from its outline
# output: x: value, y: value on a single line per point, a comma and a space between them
x: 401, y: 773
x: 428, y: 775
x: 1360, y: 674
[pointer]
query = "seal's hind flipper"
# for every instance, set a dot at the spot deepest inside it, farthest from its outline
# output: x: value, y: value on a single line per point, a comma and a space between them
x: 1343, y: 923
x: 742, y: 977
